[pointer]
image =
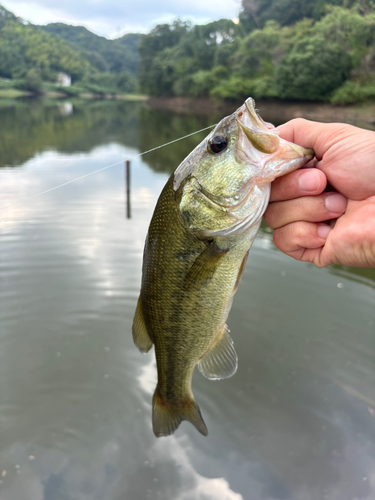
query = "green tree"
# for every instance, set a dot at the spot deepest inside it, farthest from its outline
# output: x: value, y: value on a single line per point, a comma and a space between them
x: 10, y: 60
x: 156, y: 72
x: 126, y: 82
x: 312, y: 70
x: 255, y: 13
x: 32, y: 82
x: 255, y: 53
x: 351, y: 30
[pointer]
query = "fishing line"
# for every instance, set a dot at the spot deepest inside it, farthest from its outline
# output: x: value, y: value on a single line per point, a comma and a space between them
x: 101, y: 169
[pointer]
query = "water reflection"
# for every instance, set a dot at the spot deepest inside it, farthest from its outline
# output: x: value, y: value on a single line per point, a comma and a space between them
x: 297, y: 421
x: 28, y: 128
x: 160, y: 127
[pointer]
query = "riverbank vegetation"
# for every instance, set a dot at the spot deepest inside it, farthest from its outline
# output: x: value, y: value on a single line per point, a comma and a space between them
x: 314, y: 50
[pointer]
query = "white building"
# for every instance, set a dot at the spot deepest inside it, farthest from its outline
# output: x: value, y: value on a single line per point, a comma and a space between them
x: 64, y: 80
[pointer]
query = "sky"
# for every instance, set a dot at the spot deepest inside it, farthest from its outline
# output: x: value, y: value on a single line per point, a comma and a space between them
x: 113, y: 18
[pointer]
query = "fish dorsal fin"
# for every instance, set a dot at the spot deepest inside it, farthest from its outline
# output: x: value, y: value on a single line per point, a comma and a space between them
x: 205, y: 265
x: 140, y: 334
x: 221, y: 360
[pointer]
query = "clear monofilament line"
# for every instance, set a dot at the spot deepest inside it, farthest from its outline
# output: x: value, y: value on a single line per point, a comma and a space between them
x: 101, y: 169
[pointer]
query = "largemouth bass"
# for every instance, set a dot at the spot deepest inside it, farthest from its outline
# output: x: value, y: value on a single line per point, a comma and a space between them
x: 204, y: 223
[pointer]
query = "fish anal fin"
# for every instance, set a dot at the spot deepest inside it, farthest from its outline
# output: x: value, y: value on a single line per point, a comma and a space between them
x: 140, y: 334
x: 167, y: 417
x: 221, y: 360
x: 205, y: 265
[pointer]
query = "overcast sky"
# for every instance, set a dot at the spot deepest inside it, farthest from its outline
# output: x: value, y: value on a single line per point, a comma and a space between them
x: 112, y: 18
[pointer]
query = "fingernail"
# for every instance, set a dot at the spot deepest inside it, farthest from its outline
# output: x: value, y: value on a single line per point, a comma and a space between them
x: 309, y: 180
x: 324, y: 231
x: 335, y: 203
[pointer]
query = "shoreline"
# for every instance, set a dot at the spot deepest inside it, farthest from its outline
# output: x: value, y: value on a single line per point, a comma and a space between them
x: 276, y: 112
x: 362, y: 113
x: 58, y: 95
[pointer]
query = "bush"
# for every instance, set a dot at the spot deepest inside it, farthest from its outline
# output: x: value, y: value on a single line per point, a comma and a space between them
x: 312, y: 70
x: 352, y: 92
x: 201, y: 82
x: 72, y: 91
x: 232, y: 89
x: 32, y: 82
x: 5, y: 84
x: 126, y: 82
x: 237, y: 88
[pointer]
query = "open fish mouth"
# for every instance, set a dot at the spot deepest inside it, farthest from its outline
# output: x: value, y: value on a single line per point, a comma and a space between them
x: 274, y: 155
x: 261, y: 137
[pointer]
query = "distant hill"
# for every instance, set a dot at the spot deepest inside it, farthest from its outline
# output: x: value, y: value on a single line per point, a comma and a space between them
x: 25, y: 48
x: 5, y: 16
x: 30, y: 54
x: 114, y: 56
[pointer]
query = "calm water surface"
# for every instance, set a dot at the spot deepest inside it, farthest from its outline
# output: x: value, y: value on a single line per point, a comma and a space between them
x: 296, y: 422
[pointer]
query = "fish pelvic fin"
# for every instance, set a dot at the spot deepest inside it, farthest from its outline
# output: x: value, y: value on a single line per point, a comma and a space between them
x: 167, y: 417
x: 140, y: 334
x: 221, y: 359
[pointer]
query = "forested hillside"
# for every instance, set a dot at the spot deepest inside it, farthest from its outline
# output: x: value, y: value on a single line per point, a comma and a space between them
x: 30, y: 55
x: 23, y: 47
x: 114, y: 56
x: 310, y: 50
x: 307, y: 50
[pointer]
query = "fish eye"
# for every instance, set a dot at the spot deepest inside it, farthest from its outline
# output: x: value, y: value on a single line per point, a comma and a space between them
x: 218, y: 143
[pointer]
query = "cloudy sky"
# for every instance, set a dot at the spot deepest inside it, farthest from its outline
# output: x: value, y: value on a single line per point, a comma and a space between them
x: 112, y: 18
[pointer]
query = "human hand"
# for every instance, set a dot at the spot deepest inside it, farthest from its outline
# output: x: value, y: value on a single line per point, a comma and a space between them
x: 299, y: 209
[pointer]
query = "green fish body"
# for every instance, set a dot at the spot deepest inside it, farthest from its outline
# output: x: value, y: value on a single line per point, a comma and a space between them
x: 204, y: 223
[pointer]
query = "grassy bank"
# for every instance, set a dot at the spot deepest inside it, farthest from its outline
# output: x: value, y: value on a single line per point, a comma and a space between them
x: 13, y: 93
x: 90, y: 95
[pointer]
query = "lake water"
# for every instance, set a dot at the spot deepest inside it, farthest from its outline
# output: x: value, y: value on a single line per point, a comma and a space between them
x: 296, y: 422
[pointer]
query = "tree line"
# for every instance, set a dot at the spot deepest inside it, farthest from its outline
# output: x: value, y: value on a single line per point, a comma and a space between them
x: 309, y: 50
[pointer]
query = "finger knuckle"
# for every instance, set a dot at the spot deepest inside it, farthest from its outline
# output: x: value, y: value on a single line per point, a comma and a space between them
x: 269, y: 217
x: 298, y: 122
x: 300, y: 231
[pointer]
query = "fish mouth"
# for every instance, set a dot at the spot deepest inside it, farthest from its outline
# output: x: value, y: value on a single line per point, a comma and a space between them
x: 262, y: 137
x: 274, y: 156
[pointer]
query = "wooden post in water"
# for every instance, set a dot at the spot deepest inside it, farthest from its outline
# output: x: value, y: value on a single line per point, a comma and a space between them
x: 127, y: 188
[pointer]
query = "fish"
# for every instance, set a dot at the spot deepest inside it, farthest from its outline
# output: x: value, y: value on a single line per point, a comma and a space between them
x: 199, y: 237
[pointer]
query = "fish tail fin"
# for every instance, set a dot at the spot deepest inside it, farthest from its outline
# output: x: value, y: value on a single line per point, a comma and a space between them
x: 166, y: 417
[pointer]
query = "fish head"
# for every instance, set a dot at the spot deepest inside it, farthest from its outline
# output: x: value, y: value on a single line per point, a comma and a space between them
x: 223, y: 186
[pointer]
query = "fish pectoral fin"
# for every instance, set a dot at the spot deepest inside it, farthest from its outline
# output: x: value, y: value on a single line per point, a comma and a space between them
x: 221, y: 360
x: 205, y: 265
x: 240, y: 272
x: 167, y: 417
x: 140, y: 334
